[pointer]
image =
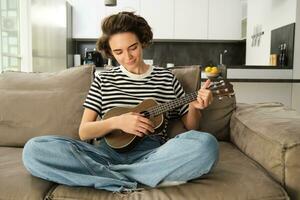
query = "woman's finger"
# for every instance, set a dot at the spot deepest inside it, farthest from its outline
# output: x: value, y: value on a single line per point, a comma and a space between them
x: 149, y: 129
x: 138, y: 133
x: 146, y: 121
x: 206, y: 84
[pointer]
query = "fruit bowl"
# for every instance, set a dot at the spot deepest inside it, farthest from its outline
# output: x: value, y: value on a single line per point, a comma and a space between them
x: 212, y: 72
x: 212, y: 75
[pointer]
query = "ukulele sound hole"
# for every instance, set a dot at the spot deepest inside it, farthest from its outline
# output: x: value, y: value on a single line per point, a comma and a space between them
x: 145, y: 114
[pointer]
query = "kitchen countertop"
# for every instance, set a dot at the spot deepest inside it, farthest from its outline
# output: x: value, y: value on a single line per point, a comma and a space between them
x: 257, y: 67
x: 253, y: 75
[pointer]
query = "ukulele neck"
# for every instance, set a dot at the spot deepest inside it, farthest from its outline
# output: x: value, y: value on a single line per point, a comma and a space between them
x: 162, y: 108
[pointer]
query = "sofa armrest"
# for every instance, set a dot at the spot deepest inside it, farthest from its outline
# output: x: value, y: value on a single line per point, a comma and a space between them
x: 269, y: 133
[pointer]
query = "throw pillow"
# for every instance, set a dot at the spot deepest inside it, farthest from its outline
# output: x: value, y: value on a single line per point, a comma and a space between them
x: 35, y: 104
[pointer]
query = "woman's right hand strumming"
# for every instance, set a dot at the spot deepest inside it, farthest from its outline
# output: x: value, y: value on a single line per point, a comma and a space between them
x: 135, y: 123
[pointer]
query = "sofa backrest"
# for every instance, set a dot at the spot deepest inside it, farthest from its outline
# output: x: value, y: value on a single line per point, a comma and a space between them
x: 215, y: 118
x: 188, y: 76
x: 34, y: 104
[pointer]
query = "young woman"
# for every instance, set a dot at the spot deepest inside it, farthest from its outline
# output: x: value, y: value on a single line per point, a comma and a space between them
x: 154, y: 159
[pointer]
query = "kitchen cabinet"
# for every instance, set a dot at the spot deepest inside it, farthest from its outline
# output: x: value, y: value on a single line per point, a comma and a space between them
x: 123, y: 5
x: 87, y: 16
x: 224, y: 19
x: 169, y: 19
x: 191, y: 19
x: 160, y: 16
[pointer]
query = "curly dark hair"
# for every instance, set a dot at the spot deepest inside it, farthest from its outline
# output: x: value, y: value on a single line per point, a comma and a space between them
x: 123, y: 22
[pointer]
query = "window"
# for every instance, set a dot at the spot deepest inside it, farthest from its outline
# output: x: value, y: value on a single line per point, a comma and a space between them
x: 10, y: 59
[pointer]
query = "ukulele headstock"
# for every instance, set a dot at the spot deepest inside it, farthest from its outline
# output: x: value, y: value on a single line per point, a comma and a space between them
x: 221, y: 88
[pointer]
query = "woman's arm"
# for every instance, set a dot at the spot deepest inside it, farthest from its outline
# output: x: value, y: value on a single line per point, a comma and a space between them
x: 90, y: 128
x: 132, y: 123
x: 192, y: 119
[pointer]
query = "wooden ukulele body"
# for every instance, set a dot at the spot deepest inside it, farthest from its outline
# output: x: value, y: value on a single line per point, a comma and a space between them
x: 122, y: 141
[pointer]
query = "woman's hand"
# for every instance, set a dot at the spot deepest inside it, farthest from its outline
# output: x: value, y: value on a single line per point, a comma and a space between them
x: 204, y: 97
x: 135, y: 123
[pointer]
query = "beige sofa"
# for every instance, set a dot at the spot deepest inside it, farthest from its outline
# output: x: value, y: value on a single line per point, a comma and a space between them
x: 259, y: 144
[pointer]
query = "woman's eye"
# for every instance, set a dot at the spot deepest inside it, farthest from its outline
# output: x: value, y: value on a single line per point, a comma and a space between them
x: 133, y: 48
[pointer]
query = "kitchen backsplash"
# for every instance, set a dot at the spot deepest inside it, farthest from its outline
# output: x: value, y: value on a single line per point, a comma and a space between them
x: 186, y: 53
x: 189, y: 53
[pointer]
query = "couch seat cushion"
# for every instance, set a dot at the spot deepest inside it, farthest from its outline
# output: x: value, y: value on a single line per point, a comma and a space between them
x: 270, y: 134
x: 34, y: 104
x: 235, y: 177
x: 15, y: 182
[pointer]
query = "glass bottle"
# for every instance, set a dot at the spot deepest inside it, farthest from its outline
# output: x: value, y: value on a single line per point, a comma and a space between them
x: 284, y: 55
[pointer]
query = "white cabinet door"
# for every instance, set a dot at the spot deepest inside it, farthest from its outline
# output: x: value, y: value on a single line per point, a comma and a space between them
x: 224, y: 21
x: 160, y: 16
x: 87, y: 16
x: 123, y: 5
x: 191, y: 18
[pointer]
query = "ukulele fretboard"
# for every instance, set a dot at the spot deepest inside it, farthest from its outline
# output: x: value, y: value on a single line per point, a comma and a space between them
x: 162, y: 108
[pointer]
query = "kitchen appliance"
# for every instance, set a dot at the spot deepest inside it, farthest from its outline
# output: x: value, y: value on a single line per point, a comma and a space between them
x: 77, y: 60
x: 92, y: 56
x: 51, y: 27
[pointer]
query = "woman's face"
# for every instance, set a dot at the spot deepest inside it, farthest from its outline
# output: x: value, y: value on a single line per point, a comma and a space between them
x: 127, y: 49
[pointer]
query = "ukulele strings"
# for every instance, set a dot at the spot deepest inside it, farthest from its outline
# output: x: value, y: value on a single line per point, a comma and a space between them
x: 161, y: 108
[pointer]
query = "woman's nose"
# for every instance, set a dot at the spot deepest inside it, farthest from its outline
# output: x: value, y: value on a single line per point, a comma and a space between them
x: 128, y: 55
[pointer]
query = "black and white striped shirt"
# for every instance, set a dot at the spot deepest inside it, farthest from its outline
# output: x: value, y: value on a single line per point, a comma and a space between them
x: 119, y: 87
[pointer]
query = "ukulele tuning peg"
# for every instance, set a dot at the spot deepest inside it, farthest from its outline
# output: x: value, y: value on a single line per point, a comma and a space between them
x: 231, y: 95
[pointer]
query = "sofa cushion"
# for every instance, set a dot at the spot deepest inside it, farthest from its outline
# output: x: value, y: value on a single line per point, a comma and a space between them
x: 270, y: 134
x: 215, y: 118
x: 190, y: 79
x: 15, y: 182
x: 234, y: 177
x: 34, y: 104
x: 188, y: 76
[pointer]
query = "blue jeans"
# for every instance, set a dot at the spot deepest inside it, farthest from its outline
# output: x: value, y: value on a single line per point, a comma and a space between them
x: 76, y: 163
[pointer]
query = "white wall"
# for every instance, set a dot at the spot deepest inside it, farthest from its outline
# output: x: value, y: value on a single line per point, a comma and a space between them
x: 263, y: 92
x: 296, y: 70
x: 244, y: 8
x: 271, y: 14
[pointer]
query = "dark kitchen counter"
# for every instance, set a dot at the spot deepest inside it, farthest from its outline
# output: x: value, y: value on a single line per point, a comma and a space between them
x: 257, y: 67
x: 258, y: 74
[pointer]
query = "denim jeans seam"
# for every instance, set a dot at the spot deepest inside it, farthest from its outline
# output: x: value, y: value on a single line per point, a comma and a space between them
x: 84, y: 163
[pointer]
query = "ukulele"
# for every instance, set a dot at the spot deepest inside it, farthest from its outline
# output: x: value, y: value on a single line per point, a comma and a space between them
x: 149, y: 108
